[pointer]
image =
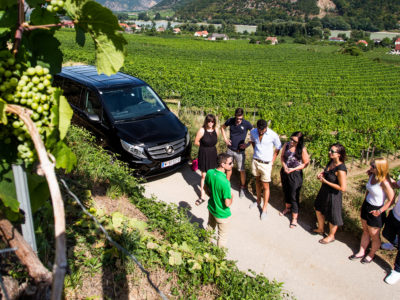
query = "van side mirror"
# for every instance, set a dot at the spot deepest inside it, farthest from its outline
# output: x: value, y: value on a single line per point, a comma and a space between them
x: 93, y: 118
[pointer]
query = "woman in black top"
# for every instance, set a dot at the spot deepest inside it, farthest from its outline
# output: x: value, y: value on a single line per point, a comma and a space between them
x: 328, y: 204
x: 206, y: 139
x: 294, y: 158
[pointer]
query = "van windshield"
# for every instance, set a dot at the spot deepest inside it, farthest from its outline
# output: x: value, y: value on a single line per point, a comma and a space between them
x: 132, y: 102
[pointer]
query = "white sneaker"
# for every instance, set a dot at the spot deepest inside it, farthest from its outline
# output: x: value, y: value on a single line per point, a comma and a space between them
x: 263, y: 215
x: 388, y: 246
x: 241, y: 193
x: 252, y: 205
x: 393, y: 277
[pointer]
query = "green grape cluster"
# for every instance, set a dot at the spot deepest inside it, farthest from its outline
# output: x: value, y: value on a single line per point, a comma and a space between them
x: 30, y: 88
x: 55, y: 5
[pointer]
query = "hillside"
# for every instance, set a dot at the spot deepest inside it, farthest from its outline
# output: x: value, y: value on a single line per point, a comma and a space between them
x: 128, y: 5
x: 367, y: 15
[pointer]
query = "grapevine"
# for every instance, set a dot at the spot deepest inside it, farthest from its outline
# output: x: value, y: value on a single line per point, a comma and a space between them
x: 31, y: 88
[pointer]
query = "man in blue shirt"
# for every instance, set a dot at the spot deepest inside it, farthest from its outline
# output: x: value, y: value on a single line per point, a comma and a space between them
x: 266, y: 144
x: 238, y: 128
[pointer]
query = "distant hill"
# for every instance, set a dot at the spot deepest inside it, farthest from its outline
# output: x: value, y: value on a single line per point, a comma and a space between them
x: 128, y: 5
x: 366, y: 14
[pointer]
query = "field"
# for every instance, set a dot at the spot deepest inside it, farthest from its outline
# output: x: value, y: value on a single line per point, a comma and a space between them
x: 329, y: 96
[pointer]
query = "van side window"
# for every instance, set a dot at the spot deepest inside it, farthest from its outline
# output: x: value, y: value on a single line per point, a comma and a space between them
x: 73, y: 92
x: 92, y: 104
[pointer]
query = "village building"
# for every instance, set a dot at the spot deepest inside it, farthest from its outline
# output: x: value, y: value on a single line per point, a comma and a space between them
x: 160, y: 29
x: 218, y: 36
x: 203, y: 33
x: 364, y: 42
x: 336, y: 39
x: 273, y: 40
x: 67, y: 24
x: 397, y: 45
x: 177, y: 30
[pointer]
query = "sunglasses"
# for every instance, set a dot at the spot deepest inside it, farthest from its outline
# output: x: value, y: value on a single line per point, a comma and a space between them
x: 293, y: 140
x: 372, y: 166
x: 210, y: 121
x: 229, y: 163
x: 332, y: 151
x: 239, y: 118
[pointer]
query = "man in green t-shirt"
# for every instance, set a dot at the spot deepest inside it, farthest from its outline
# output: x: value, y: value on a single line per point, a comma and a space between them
x: 218, y: 188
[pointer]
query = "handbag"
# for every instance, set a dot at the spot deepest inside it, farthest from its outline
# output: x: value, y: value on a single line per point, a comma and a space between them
x: 195, y: 164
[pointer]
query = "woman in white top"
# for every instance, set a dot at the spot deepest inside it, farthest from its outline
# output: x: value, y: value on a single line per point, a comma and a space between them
x: 391, y: 232
x: 372, y: 218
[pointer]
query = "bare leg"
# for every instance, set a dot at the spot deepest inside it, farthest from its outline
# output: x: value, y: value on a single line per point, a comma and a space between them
x: 265, y: 185
x: 321, y: 222
x: 258, y: 189
x: 294, y: 220
x: 286, y: 210
x: 332, y: 232
x: 365, y: 238
x: 202, y: 192
x: 376, y: 240
x: 242, y: 179
x: 228, y: 175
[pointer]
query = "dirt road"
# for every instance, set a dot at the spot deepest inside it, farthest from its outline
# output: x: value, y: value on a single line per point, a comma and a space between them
x: 308, y: 269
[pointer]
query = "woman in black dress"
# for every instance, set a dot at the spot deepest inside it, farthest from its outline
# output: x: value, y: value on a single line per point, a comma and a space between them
x: 294, y: 158
x: 206, y: 139
x: 328, y: 205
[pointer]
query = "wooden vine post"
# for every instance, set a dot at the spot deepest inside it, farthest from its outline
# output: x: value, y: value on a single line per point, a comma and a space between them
x: 46, y: 168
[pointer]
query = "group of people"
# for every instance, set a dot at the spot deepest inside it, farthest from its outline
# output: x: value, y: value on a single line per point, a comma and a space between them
x: 216, y: 171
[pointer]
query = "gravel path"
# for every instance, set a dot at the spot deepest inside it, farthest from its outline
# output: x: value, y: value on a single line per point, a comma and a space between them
x: 308, y: 269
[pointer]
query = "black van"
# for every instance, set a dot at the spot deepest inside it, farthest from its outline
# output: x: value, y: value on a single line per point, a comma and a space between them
x: 127, y: 117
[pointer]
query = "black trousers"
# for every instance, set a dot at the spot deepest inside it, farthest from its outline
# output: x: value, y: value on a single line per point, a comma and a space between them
x: 391, y: 229
x: 291, y: 185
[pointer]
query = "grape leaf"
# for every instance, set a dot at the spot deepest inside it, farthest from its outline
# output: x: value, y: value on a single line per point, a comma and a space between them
x: 117, y: 219
x: 80, y: 37
x: 38, y: 191
x: 7, y: 3
x: 103, y: 27
x: 41, y: 16
x: 45, y: 49
x: 64, y: 116
x: 3, y: 117
x: 7, y: 187
x: 35, y: 3
x: 65, y: 158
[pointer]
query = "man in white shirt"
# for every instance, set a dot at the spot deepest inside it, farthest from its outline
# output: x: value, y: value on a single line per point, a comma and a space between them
x: 266, y: 145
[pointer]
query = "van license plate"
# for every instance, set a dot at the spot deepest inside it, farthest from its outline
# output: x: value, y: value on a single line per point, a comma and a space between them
x: 171, y: 162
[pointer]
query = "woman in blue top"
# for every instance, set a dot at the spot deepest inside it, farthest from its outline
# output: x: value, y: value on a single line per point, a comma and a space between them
x: 294, y: 158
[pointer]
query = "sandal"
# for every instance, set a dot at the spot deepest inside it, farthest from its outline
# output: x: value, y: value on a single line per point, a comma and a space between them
x: 292, y: 224
x: 199, y: 201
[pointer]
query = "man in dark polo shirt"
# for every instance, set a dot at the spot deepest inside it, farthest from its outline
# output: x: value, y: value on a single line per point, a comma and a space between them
x: 238, y: 128
x: 218, y: 188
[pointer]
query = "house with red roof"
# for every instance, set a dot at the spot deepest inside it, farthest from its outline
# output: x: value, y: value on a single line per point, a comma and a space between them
x: 397, y: 45
x: 364, y: 42
x: 203, y: 33
x: 177, y: 30
x: 273, y: 40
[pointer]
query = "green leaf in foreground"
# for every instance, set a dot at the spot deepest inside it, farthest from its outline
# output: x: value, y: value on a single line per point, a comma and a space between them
x: 175, y: 258
x: 65, y: 158
x: 3, y: 117
x: 7, y: 187
x: 65, y: 115
x: 103, y: 27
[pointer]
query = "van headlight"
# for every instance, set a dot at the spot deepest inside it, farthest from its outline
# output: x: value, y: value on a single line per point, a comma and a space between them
x: 135, y: 150
x: 187, y: 138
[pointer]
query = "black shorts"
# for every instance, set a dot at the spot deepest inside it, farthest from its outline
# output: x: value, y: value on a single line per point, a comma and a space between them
x: 391, y: 229
x: 372, y: 221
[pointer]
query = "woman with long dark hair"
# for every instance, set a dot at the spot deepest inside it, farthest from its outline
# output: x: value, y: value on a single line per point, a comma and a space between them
x: 294, y: 158
x: 206, y: 139
x: 328, y: 204
x: 372, y: 211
